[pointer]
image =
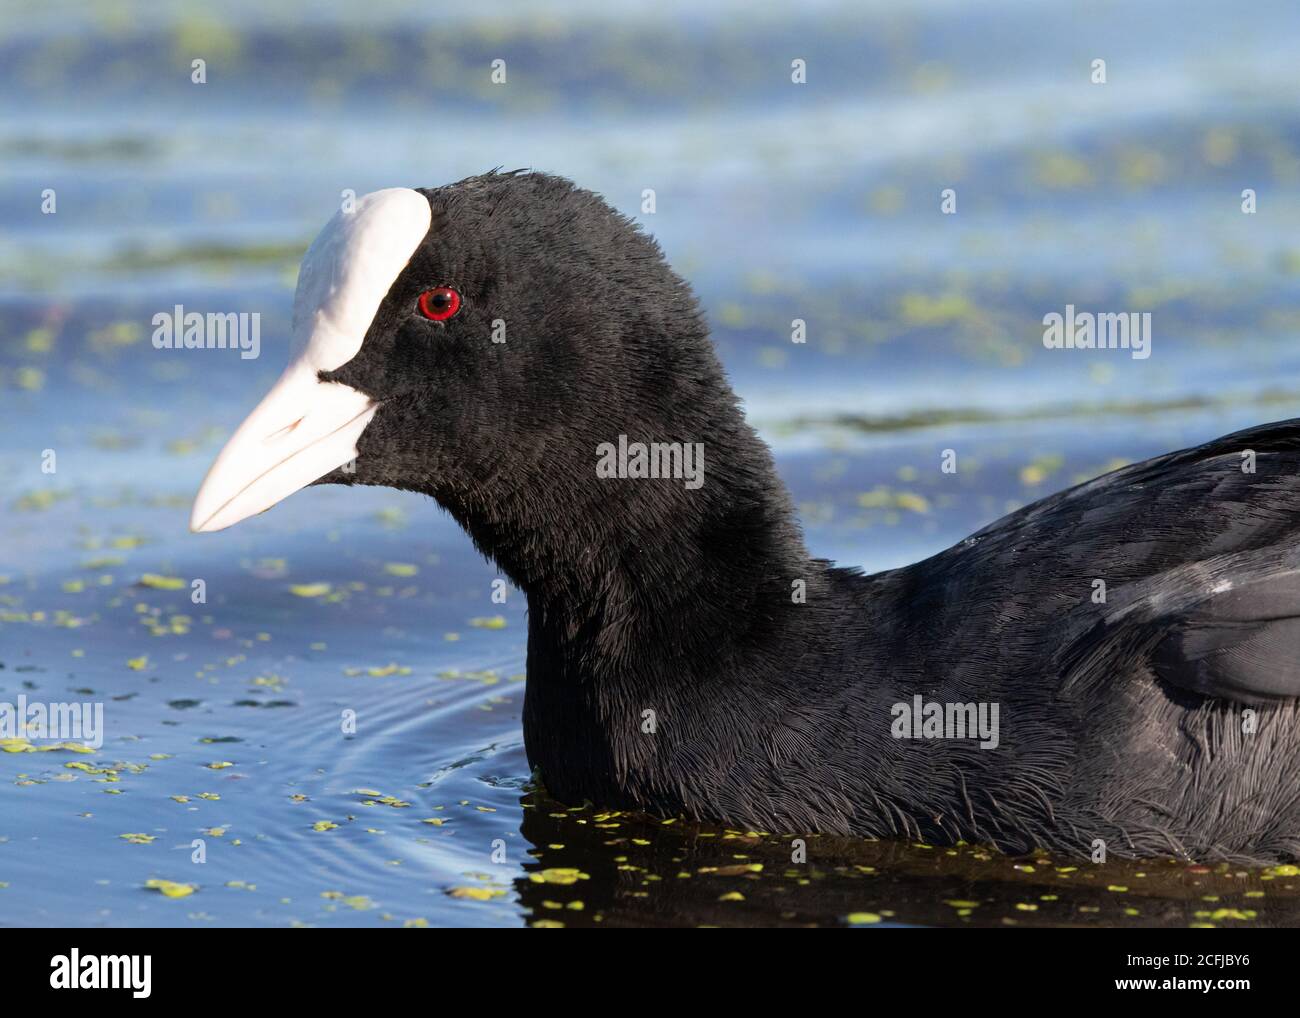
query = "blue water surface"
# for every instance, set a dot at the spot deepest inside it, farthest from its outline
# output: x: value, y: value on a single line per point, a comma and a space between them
x: 335, y: 730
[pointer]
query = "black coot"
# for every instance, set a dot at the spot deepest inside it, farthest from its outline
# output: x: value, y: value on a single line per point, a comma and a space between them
x: 509, y: 344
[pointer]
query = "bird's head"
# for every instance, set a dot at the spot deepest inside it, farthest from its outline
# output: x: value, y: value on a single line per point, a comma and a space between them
x: 474, y: 342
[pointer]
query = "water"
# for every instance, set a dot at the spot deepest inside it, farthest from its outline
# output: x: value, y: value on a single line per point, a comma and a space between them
x: 817, y: 201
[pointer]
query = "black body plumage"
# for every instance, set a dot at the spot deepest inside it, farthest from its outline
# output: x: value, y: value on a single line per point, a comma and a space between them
x: 1161, y: 722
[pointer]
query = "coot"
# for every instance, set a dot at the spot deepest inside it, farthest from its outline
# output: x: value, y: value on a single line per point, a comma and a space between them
x: 514, y: 348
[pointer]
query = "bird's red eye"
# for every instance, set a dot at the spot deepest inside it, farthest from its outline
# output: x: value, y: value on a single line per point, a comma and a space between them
x: 439, y: 304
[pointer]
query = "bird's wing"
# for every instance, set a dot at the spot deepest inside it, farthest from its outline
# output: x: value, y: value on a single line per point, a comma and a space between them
x: 1200, y: 550
x: 1240, y: 639
x: 1240, y: 643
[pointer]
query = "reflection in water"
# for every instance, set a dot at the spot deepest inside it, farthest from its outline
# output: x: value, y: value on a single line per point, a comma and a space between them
x: 602, y: 868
